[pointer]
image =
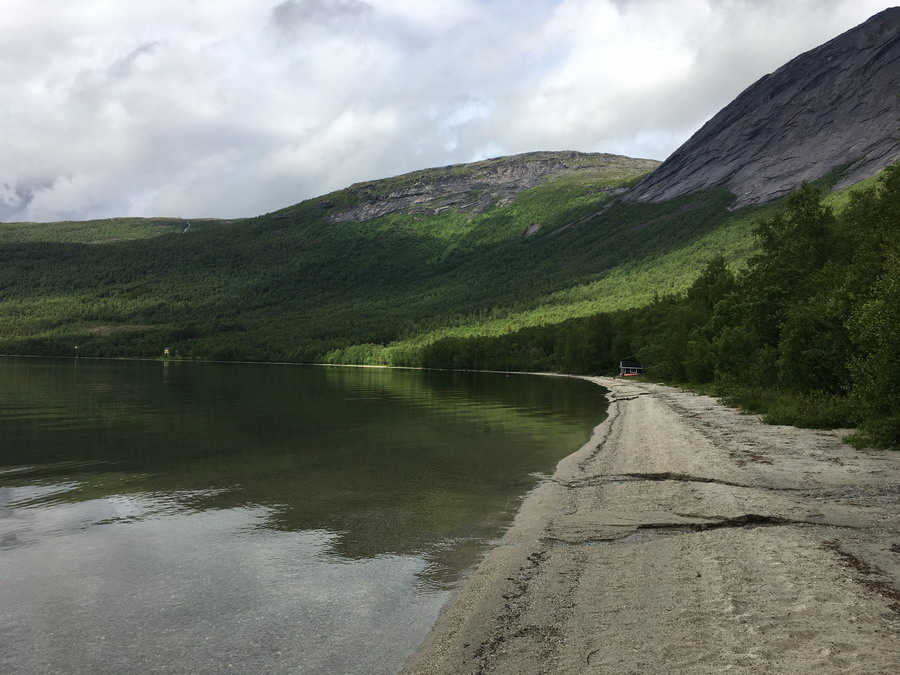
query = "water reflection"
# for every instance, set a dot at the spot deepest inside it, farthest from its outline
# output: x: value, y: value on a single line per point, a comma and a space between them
x: 190, y: 502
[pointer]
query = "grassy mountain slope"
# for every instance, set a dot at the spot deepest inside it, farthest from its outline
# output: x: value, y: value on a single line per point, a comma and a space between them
x: 367, y: 274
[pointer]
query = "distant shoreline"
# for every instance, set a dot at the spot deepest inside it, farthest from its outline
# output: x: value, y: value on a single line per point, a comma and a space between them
x: 290, y: 363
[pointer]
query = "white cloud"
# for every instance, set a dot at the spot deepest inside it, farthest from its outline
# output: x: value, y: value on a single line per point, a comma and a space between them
x: 160, y: 107
x: 357, y: 134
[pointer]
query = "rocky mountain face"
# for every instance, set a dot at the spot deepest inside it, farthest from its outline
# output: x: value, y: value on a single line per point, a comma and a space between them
x: 834, y: 106
x: 473, y: 187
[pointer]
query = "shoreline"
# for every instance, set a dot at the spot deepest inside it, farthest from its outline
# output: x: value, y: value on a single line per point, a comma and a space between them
x: 688, y: 537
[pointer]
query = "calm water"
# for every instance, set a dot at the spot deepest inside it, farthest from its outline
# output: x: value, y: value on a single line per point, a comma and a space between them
x: 178, y: 517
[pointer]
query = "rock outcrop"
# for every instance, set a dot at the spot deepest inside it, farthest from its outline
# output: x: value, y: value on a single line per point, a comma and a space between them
x: 473, y: 187
x: 835, y: 106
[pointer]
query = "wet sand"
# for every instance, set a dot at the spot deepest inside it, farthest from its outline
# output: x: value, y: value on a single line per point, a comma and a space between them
x: 685, y: 537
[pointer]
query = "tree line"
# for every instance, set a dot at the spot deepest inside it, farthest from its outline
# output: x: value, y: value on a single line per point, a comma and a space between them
x: 808, y: 332
x: 805, y: 330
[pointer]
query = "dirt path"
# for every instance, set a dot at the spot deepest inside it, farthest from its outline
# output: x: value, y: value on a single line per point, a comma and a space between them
x: 688, y: 538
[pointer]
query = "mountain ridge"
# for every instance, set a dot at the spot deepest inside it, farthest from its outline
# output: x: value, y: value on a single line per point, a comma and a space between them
x: 830, y: 107
x: 475, y: 186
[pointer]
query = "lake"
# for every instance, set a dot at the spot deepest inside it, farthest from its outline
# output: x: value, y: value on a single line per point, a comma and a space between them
x: 205, y: 517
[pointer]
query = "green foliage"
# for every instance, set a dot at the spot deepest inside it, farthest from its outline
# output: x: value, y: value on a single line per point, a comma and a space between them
x: 806, y: 334
x: 295, y: 286
x: 874, y: 317
x: 815, y: 409
x: 92, y: 232
x: 796, y: 317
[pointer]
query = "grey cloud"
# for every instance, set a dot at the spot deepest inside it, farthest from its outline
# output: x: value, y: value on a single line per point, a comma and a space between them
x: 122, y: 67
x: 90, y: 88
x: 15, y: 199
x: 293, y: 15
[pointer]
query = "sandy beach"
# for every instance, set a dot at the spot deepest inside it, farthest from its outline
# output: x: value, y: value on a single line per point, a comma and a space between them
x: 686, y: 537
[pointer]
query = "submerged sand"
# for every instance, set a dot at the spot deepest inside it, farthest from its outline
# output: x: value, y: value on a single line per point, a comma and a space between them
x: 686, y: 537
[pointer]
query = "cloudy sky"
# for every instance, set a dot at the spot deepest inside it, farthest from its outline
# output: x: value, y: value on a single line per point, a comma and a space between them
x: 232, y: 108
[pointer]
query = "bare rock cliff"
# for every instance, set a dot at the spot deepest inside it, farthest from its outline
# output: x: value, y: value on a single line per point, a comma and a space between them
x: 833, y: 106
x: 471, y: 188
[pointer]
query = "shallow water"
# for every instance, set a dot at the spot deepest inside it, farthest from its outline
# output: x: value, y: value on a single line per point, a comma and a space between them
x: 184, y: 517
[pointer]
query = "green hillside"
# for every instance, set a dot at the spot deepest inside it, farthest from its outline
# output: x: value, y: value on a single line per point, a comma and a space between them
x: 806, y: 332
x: 528, y: 263
x: 299, y: 284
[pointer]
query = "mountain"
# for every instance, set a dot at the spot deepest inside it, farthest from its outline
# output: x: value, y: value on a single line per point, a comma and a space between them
x: 480, y: 247
x: 834, y: 107
x: 384, y: 270
x: 476, y: 186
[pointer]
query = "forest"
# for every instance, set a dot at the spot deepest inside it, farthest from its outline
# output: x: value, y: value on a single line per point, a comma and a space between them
x: 807, y: 333
x: 790, y: 309
x: 297, y: 285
